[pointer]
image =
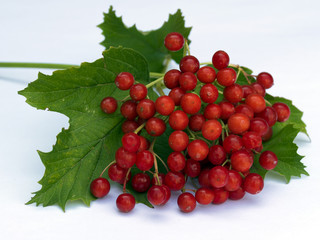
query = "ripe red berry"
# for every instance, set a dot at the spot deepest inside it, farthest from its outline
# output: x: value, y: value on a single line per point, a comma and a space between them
x: 174, y: 180
x: 141, y: 182
x: 220, y: 196
x: 209, y: 93
x: 218, y: 176
x: 196, y: 122
x: 283, y: 111
x: 265, y: 79
x: 117, y: 173
x: 217, y: 155
x: 131, y: 142
x: 241, y: 160
x: 245, y: 109
x: 233, y: 93
x: 206, y: 74
x: 156, y: 195
x: 178, y: 141
x: 125, y: 202
x: 164, y: 105
x: 167, y: 194
x: 129, y: 126
x: 128, y: 110
x: 171, y: 78
x: 146, y: 109
x: 259, y: 89
x: 204, y: 196
x: 237, y: 194
x: 204, y: 178
x: 253, y: 183
x: 247, y: 90
x: 138, y: 92
x: 234, y: 181
x: 269, y: 114
x: 160, y: 177
x: 268, y: 160
x: 251, y: 140
x: 176, y: 161
x: 176, y: 95
x: 232, y: 143
x: 211, y: 129
x: 109, y: 105
x: 192, y: 168
x: 155, y: 127
x: 145, y: 160
x: 259, y: 125
x: 190, y: 103
x: 238, y: 123
x: 198, y: 149
x: 144, y: 144
x: 186, y: 202
x: 212, y: 111
x: 174, y: 41
x: 256, y: 102
x: 178, y: 120
x: 189, y: 64
x: 220, y: 59
x: 227, y: 109
x: 124, y: 158
x: 100, y: 187
x: 226, y: 77
x: 188, y: 81
x: 124, y: 80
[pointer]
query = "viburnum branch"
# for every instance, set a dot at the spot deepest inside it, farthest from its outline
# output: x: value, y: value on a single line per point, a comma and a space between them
x: 156, y: 170
x: 163, y: 163
x: 125, y: 181
x: 240, y: 69
x: 107, y: 168
x: 154, y: 82
x: 139, y: 128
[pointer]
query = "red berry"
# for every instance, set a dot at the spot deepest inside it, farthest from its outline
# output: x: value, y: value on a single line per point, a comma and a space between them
x: 190, y: 103
x: 145, y: 160
x: 174, y: 180
x: 109, y: 105
x: 186, y: 202
x: 283, y: 111
x: 176, y: 161
x: 188, y: 81
x: 128, y: 110
x: 124, y: 158
x: 164, y: 105
x: 196, y: 122
x: 269, y: 114
x: 265, y: 79
x: 253, y: 183
x: 155, y: 127
x: 167, y: 194
x: 129, y: 126
x: 100, y: 187
x: 241, y: 160
x: 204, y: 196
x: 131, y: 142
x: 259, y: 125
x: 178, y: 141
x: 178, y: 120
x: 146, y: 109
x: 245, y: 109
x: 125, y: 202
x: 237, y: 194
x: 218, y: 176
x: 138, y: 92
x: 174, y: 41
x: 220, y: 196
x: 189, y: 64
x: 141, y: 182
x: 227, y: 109
x: 124, y: 80
x: 238, y: 123
x: 212, y: 111
x: 192, y: 168
x: 144, y: 144
x: 117, y: 173
x: 256, y: 102
x: 209, y: 93
x: 232, y: 143
x: 268, y: 160
x: 204, y: 178
x: 233, y: 93
x: 259, y: 89
x: 234, y: 181
x: 171, y: 78
x: 206, y: 74
x: 220, y: 59
x: 226, y: 77
x: 217, y: 155
x: 161, y: 177
x: 156, y: 195
x: 198, y: 149
x: 251, y: 140
x: 211, y: 129
x: 247, y: 90
x: 176, y: 95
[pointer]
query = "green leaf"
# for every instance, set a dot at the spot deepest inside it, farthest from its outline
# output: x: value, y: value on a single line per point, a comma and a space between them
x: 289, y: 161
x: 149, y: 44
x: 84, y: 149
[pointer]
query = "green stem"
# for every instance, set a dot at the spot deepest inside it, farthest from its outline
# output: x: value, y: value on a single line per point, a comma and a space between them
x: 36, y: 65
x: 154, y: 82
x: 156, y: 75
x: 206, y: 63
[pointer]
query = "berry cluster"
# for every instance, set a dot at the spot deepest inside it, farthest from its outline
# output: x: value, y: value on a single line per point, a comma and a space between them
x: 212, y: 141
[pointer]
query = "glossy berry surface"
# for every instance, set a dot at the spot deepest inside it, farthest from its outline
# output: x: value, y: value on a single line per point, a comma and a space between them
x: 211, y: 129
x: 109, y: 105
x: 251, y: 140
x: 124, y: 80
x: 189, y: 64
x: 156, y: 195
x: 269, y: 115
x: 220, y: 196
x: 192, y: 168
x: 124, y: 158
x: 241, y: 160
x: 155, y: 126
x: 129, y: 126
x: 146, y: 109
x: 227, y: 109
x: 204, y: 196
x: 265, y: 79
x: 209, y: 93
x: 178, y: 141
x: 238, y: 123
x: 212, y: 111
x: 259, y: 125
x: 220, y: 59
x: 125, y: 202
x: 190, y: 103
x: 178, y: 120
x: 283, y: 111
x: 234, y: 181
x: 164, y: 105
x: 141, y: 182
x: 218, y: 176
x: 138, y: 92
x: 100, y: 187
x: 186, y: 202
x: 174, y: 41
x: 176, y: 161
x: 233, y: 93
x: 188, y: 81
x: 206, y: 74
x: 217, y: 155
x: 198, y: 149
x: 174, y: 180
x: 232, y: 143
x: 176, y: 95
x: 256, y: 102
x: 144, y: 160
x: 245, y: 109
x: 253, y: 183
x: 268, y: 160
x: 131, y: 142
x: 196, y: 122
x: 171, y: 78
x: 128, y: 109
x: 117, y: 173
x: 226, y: 77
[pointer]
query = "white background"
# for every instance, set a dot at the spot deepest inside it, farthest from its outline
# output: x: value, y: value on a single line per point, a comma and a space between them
x: 281, y: 37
